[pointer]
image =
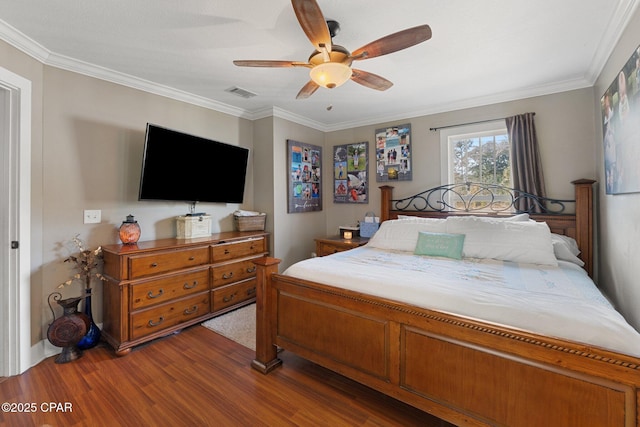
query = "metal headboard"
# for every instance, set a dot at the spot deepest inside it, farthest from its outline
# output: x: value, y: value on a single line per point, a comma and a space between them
x: 479, y: 197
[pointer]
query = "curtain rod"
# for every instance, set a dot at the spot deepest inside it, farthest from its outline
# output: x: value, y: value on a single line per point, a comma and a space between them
x: 470, y: 123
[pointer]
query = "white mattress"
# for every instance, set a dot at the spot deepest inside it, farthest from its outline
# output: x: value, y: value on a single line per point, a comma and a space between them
x: 560, y: 302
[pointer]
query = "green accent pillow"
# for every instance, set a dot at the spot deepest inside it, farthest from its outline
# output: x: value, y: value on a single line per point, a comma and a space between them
x: 440, y: 244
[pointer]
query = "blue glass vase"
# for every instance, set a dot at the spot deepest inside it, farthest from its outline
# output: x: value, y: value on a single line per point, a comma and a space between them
x: 92, y: 337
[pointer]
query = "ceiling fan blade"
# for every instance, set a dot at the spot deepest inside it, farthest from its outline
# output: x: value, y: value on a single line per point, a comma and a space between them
x: 370, y: 80
x: 393, y: 42
x: 266, y: 63
x: 313, y: 23
x: 307, y: 90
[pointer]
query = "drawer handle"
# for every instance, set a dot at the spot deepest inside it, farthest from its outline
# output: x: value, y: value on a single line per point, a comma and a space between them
x: 252, y: 247
x: 191, y: 258
x: 229, y: 298
x: 152, y: 296
x: 191, y: 310
x: 251, y: 291
x: 155, y: 264
x: 251, y: 269
x: 227, y: 276
x: 187, y: 286
x: 226, y: 252
x: 152, y: 323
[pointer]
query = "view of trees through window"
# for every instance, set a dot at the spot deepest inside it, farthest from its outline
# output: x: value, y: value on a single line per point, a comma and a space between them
x: 481, y: 158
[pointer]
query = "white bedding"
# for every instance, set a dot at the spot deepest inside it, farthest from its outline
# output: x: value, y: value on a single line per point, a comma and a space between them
x: 560, y: 302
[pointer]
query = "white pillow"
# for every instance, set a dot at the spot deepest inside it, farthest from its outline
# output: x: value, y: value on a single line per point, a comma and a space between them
x: 411, y: 218
x: 517, y: 241
x: 566, y: 249
x: 402, y: 235
x: 518, y: 217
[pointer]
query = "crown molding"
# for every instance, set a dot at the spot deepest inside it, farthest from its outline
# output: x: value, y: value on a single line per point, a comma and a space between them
x: 96, y: 71
x: 18, y: 40
x: 614, y: 30
x: 284, y: 114
x: 514, y: 95
x: 45, y: 56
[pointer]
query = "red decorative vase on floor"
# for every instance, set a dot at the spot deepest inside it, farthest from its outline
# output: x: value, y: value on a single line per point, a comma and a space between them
x: 67, y: 330
x: 129, y: 231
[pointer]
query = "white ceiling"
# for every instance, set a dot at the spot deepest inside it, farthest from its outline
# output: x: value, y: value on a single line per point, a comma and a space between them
x: 481, y: 52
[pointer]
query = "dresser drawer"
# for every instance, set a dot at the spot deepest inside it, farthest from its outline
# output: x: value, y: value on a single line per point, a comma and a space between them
x: 156, y: 263
x: 167, y: 315
x: 226, y: 251
x: 324, y: 249
x: 332, y: 245
x: 233, y: 294
x: 161, y: 290
x: 233, y: 272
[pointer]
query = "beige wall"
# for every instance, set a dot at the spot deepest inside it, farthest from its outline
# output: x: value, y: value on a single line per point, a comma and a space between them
x: 87, y: 141
x: 92, y: 153
x: 264, y: 180
x: 565, y: 132
x: 294, y: 233
x: 619, y: 228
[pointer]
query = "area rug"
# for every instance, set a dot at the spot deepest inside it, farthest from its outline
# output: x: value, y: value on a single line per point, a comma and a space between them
x: 237, y: 325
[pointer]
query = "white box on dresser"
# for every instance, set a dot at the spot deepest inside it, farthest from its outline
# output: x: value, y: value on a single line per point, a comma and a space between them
x: 190, y: 227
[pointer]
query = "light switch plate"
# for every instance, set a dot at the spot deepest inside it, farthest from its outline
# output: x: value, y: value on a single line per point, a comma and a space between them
x: 92, y: 216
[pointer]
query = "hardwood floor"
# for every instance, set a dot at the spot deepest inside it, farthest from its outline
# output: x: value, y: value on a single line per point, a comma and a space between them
x: 195, y: 378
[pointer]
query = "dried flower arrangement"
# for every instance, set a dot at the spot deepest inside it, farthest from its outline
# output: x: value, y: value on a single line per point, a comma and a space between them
x: 87, y: 263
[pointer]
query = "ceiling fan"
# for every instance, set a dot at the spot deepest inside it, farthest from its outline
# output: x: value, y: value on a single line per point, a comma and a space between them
x: 330, y: 64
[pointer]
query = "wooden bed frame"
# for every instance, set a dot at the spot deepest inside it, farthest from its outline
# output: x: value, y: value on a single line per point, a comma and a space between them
x: 462, y: 370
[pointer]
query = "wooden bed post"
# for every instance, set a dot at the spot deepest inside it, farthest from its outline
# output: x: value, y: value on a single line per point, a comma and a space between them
x: 386, y: 193
x: 266, y: 352
x: 584, y: 221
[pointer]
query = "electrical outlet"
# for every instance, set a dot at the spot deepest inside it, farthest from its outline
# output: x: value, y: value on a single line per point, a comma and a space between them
x: 92, y: 216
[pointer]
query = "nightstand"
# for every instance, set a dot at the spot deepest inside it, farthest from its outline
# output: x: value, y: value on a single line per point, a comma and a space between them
x: 331, y: 245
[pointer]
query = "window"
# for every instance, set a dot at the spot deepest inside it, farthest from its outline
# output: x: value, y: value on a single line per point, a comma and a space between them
x: 477, y: 153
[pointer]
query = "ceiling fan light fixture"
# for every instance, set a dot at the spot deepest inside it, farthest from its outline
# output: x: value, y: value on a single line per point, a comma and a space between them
x: 329, y: 63
x: 330, y: 74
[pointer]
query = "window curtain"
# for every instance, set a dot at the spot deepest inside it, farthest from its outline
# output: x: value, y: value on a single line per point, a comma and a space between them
x: 526, y: 165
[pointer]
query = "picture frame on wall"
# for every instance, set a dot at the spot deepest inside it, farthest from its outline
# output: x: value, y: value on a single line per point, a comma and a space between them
x: 304, y: 183
x: 350, y: 166
x: 620, y: 106
x: 393, y: 153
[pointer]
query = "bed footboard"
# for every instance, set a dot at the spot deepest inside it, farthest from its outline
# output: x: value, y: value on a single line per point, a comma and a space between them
x: 461, y: 370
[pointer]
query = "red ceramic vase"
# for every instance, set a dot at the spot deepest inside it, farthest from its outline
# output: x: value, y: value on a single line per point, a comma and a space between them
x: 129, y: 231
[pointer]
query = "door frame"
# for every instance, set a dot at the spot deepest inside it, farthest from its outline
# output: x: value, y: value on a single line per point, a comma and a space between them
x: 15, y: 218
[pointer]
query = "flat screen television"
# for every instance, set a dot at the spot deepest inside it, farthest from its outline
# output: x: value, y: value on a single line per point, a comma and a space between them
x: 181, y: 167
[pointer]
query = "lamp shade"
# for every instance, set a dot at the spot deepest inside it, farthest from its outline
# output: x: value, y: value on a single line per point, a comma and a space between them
x: 330, y: 74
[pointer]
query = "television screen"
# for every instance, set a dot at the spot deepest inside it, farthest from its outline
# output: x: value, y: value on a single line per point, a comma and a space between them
x: 182, y: 167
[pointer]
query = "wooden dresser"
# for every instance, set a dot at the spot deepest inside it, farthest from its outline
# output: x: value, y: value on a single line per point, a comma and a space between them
x: 157, y: 287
